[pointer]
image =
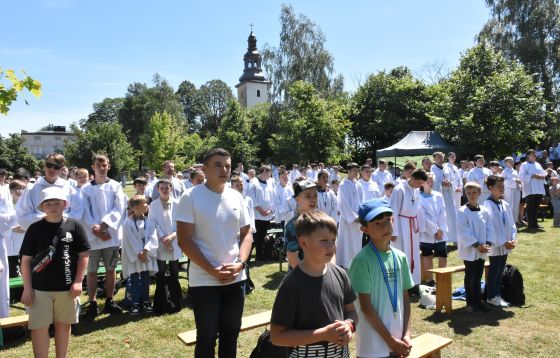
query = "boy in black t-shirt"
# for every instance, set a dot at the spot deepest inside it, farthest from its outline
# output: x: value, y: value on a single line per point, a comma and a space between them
x: 314, y: 310
x: 51, y: 291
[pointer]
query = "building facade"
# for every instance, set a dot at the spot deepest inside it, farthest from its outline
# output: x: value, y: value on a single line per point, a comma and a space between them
x: 42, y: 143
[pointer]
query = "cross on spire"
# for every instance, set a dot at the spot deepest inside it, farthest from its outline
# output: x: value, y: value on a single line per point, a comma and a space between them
x: 251, y: 27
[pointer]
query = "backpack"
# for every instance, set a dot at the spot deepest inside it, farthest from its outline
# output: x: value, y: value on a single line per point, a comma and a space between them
x: 265, y: 348
x: 512, y: 286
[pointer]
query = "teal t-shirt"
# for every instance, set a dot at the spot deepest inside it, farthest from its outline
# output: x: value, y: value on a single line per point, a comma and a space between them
x: 366, y: 277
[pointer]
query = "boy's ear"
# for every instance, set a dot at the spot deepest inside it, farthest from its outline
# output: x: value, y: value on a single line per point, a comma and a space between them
x: 363, y: 229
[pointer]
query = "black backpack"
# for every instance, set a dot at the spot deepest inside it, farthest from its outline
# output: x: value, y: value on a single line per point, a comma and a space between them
x: 265, y: 348
x: 512, y: 286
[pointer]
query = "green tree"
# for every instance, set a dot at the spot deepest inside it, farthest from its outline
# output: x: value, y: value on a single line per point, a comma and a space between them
x: 301, y: 55
x: 163, y: 140
x: 101, y: 137
x: 142, y: 102
x: 529, y: 32
x: 386, y: 108
x: 234, y: 134
x: 190, y: 100
x: 213, y: 97
x: 14, y: 155
x: 489, y: 105
x: 263, y: 118
x: 10, y: 90
x: 104, y: 111
x: 311, y: 128
x: 195, y: 147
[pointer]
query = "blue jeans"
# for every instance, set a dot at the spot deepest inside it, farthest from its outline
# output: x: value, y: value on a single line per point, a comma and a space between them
x: 140, y: 287
x: 495, y: 274
x: 217, y: 313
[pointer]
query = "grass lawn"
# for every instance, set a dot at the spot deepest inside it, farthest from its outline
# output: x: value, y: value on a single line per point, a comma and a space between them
x: 533, y: 331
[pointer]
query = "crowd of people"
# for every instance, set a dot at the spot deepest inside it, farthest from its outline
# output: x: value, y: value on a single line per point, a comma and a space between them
x: 365, y: 240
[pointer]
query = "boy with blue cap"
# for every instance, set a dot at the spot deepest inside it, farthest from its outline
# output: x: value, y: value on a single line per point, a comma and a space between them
x: 381, y: 277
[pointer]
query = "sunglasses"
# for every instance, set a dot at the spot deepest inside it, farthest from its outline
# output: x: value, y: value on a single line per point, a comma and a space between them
x: 54, y: 166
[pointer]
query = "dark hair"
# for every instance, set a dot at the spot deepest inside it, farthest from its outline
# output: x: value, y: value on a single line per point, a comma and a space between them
x: 99, y: 157
x: 323, y: 173
x: 492, y: 180
x: 3, y: 172
x: 388, y: 185
x: 313, y: 220
x: 419, y: 174
x: 21, y: 173
x: 57, y: 157
x: 478, y: 156
x: 531, y: 151
x: 494, y: 163
x: 409, y: 166
x: 215, y: 151
x: 164, y: 182
x: 352, y: 165
x: 140, y: 180
x: 364, y: 167
x: 378, y: 217
x: 16, y: 184
x: 263, y: 168
x: 196, y: 172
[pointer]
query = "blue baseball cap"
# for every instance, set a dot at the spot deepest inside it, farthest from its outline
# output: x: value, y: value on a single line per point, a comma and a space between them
x: 373, y: 207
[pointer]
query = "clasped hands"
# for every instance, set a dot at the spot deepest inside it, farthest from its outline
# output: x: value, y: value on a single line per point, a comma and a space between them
x: 226, y: 273
x: 100, y: 232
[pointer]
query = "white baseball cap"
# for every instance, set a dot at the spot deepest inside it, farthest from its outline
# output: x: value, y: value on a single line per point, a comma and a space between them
x: 53, y: 192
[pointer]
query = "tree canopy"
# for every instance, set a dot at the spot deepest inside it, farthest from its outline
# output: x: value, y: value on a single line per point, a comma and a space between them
x: 12, y: 88
x: 489, y: 105
x: 300, y: 56
x: 14, y: 155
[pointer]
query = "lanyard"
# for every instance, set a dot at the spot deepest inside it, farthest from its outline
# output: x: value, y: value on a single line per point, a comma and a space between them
x: 392, y: 295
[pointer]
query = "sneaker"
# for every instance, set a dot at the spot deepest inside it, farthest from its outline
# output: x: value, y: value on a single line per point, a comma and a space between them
x: 135, y: 310
x: 90, y: 312
x: 111, y: 307
x: 474, y: 310
x: 498, y: 302
x: 148, y: 307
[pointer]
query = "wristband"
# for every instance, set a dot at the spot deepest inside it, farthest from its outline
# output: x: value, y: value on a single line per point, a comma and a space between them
x: 242, y: 262
x: 350, y: 323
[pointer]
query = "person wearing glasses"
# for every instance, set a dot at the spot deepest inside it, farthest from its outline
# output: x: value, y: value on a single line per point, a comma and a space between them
x: 27, y: 211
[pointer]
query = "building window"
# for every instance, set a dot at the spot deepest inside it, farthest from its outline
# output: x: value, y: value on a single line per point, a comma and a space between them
x: 37, y: 137
x: 258, y: 93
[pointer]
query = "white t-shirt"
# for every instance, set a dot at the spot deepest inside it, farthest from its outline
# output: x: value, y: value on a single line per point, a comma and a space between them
x: 217, y: 219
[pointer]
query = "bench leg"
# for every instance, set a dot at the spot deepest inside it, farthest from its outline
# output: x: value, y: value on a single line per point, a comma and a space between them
x: 443, y: 292
x: 436, y: 354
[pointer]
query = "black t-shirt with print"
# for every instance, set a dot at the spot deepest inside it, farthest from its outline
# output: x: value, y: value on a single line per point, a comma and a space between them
x: 60, y: 273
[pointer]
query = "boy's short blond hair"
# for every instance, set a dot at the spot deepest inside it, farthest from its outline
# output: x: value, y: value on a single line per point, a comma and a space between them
x: 82, y: 171
x: 313, y: 220
x: 473, y: 185
x: 136, y: 200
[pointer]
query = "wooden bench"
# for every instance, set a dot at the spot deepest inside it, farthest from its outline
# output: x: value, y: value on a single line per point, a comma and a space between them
x: 443, y: 285
x: 543, y: 209
x: 247, y: 323
x: 428, y: 345
x: 14, y: 321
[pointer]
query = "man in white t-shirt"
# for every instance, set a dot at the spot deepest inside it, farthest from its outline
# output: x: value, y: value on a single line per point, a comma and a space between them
x: 213, y: 230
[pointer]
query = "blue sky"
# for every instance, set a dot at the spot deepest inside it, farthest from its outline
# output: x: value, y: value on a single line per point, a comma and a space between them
x: 84, y: 51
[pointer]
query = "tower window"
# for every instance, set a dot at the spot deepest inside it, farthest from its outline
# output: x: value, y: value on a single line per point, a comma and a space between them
x: 258, y: 93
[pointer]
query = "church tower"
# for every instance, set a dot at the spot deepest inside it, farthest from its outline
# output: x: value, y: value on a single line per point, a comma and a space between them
x: 253, y: 87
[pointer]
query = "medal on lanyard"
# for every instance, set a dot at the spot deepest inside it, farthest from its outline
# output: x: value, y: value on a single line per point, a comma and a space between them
x: 393, y: 294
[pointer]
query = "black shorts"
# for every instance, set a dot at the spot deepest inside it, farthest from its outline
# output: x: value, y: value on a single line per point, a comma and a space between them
x: 439, y: 249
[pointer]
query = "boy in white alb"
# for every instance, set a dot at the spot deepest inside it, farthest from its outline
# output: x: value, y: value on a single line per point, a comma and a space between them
x: 349, y: 198
x: 382, y: 175
x: 213, y: 230
x: 474, y: 233
x: 512, y: 183
x: 281, y: 197
x: 444, y: 183
x: 503, y: 239
x: 264, y: 208
x: 456, y: 180
x: 533, y: 177
x: 433, y: 229
x: 405, y: 202
x: 370, y: 188
x: 27, y: 207
x: 478, y: 175
x: 105, y: 205
x: 326, y: 198
x: 168, y: 250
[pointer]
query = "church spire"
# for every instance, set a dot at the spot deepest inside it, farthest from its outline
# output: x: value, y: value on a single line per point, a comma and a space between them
x: 253, y: 61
